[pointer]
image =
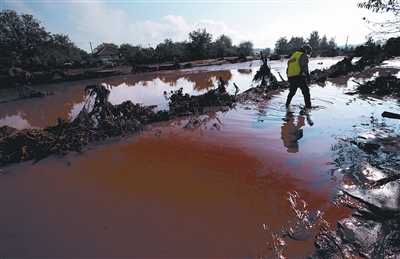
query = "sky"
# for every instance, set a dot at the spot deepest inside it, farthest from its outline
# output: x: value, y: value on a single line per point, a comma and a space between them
x: 89, y: 23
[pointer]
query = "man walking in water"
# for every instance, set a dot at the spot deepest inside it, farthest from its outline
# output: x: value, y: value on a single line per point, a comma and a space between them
x: 298, y: 74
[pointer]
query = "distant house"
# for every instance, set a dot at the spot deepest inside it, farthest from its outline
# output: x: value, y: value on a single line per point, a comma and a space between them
x: 107, y: 54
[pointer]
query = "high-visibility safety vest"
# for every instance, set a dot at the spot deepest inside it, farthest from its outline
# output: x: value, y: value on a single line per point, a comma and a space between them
x: 293, y: 64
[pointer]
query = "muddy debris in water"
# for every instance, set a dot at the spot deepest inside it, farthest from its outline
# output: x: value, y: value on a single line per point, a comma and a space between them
x: 265, y: 83
x: 99, y: 120
x: 382, y: 85
x: 373, y: 55
x: 367, y: 169
x: 184, y: 105
x: 372, y: 231
x: 27, y: 92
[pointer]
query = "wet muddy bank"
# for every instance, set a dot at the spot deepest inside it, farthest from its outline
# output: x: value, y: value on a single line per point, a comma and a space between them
x: 15, y: 77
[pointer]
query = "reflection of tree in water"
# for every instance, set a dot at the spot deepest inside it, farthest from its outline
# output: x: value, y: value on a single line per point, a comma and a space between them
x: 142, y: 79
x: 170, y: 80
x: 203, y: 81
x: 35, y: 113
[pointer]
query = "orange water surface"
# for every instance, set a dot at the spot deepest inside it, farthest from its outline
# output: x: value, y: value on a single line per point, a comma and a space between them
x: 231, y: 185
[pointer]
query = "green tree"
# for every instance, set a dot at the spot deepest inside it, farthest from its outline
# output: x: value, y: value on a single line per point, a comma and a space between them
x: 129, y: 52
x: 164, y: 51
x: 169, y: 50
x: 86, y: 58
x: 222, y: 45
x: 330, y: 48
x: 137, y: 54
x: 245, y: 47
x: 146, y: 55
x: 332, y: 43
x: 314, y: 40
x: 323, y: 44
x: 20, y: 38
x: 28, y: 45
x: 281, y: 46
x: 199, y: 43
x: 388, y: 27
x: 60, y: 50
x: 183, y: 50
x: 294, y: 44
x: 266, y: 51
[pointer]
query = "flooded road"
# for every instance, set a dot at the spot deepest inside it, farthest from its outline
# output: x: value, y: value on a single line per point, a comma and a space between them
x: 146, y: 89
x: 250, y: 181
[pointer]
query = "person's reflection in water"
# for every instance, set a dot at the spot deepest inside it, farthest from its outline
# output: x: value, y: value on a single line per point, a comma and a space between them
x: 292, y: 132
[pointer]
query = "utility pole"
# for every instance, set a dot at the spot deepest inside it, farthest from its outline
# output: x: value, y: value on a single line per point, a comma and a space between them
x: 91, y: 47
x: 346, y: 42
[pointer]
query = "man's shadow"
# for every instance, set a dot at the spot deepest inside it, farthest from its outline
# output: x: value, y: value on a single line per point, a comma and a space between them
x: 291, y: 132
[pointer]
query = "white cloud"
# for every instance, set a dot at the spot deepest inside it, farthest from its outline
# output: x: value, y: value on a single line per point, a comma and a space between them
x: 96, y: 22
x: 175, y: 23
x: 149, y: 32
x: 218, y: 28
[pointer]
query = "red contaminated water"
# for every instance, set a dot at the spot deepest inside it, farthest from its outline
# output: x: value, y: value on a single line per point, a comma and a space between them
x: 234, y: 184
x: 165, y: 193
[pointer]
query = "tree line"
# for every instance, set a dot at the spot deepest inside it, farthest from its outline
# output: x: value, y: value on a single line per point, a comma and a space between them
x: 26, y: 44
x: 321, y: 45
x: 199, y: 46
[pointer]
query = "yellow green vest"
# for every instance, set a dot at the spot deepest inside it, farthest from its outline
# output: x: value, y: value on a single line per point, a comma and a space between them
x: 293, y: 64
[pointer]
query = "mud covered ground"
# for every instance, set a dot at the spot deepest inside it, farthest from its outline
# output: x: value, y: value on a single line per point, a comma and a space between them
x: 367, y: 163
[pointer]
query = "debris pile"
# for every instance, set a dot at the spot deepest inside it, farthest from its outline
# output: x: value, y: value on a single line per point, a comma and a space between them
x: 264, y: 75
x: 27, y: 92
x: 183, y: 104
x: 265, y: 83
x: 382, y: 85
x: 373, y: 55
x: 342, y: 67
x: 366, y: 168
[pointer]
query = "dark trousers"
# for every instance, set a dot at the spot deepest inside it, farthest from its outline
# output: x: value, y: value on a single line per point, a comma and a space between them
x: 299, y: 82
